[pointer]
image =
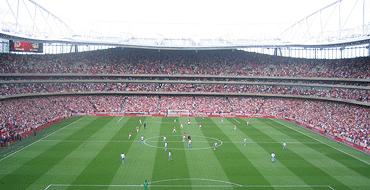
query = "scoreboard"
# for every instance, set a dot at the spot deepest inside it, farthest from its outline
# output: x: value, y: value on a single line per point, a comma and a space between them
x: 25, y: 46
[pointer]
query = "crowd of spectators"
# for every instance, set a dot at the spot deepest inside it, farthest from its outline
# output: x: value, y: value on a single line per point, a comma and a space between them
x: 19, y: 115
x: 221, y: 62
x: 177, y: 103
x: 342, y: 120
x: 141, y: 104
x: 243, y: 105
x: 32, y: 88
x: 211, y: 104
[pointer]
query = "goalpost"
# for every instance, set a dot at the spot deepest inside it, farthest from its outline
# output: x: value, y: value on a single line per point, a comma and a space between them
x: 178, y: 113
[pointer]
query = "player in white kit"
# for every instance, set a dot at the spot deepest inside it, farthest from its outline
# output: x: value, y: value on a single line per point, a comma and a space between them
x: 273, y: 157
x: 123, y: 157
x: 169, y: 156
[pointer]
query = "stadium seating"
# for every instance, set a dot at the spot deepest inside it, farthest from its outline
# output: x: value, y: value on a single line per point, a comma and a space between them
x: 140, y: 70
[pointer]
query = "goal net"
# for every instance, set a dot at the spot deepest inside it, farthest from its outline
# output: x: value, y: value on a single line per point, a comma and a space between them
x: 178, y: 113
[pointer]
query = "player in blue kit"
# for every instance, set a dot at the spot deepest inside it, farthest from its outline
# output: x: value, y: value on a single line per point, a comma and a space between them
x: 284, y: 146
x: 142, y: 139
x: 273, y: 157
x: 245, y: 141
x: 215, y: 146
x: 165, y: 146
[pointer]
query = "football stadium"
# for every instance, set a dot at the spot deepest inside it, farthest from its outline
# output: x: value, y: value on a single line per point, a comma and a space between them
x: 185, y: 95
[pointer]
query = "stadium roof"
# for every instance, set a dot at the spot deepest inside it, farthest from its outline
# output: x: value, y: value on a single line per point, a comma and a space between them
x: 188, y: 24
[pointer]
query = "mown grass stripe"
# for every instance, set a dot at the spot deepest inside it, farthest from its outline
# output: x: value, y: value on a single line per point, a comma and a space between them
x: 107, y: 161
x: 332, y: 159
x: 177, y: 168
x: 331, y: 147
x: 231, y: 159
x: 16, y: 161
x: 28, y: 173
x: 302, y: 168
x: 259, y: 157
x: 40, y: 139
x: 140, y: 158
x: 204, y: 167
x: 27, y: 141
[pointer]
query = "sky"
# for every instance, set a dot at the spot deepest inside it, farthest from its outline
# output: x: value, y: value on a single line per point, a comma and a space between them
x: 202, y: 19
x: 189, y: 19
x: 189, y: 11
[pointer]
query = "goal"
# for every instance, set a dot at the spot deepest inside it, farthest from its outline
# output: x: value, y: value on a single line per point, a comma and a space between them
x: 178, y: 113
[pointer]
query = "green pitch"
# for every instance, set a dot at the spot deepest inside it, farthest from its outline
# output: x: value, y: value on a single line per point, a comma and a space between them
x: 84, y: 153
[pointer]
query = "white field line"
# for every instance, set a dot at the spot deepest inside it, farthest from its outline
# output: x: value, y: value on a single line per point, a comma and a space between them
x: 197, y: 179
x: 47, y: 187
x: 119, y: 119
x: 205, y: 186
x: 39, y: 139
x: 323, y: 142
x: 236, y: 120
x: 70, y: 185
